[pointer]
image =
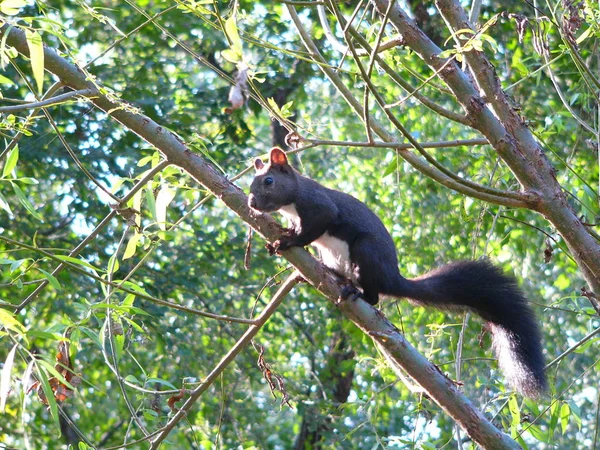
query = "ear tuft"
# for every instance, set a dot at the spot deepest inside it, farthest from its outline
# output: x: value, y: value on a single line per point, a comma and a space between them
x: 258, y: 164
x: 278, y: 157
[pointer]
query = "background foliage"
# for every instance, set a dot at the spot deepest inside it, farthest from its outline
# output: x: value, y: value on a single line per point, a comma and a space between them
x: 189, y: 249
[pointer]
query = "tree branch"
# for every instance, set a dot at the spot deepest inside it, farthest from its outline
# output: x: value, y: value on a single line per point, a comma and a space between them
x: 45, y: 103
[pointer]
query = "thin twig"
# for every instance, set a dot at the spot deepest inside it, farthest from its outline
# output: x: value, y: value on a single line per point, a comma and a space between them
x: 48, y: 102
x: 15, y: 140
x: 398, y: 145
x: 572, y: 348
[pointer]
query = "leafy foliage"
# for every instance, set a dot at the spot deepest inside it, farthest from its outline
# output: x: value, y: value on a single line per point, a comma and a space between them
x: 136, y: 276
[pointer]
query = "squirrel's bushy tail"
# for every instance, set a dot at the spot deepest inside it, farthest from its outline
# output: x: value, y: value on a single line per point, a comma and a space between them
x: 483, y: 288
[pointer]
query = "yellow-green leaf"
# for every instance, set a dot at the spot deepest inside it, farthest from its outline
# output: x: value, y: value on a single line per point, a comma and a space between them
x: 8, y: 321
x: 565, y: 413
x: 131, y: 246
x: 49, y: 394
x: 136, y: 203
x: 515, y: 412
x: 11, y: 7
x: 163, y: 198
x: 232, y: 33
x: 79, y: 262
x: 11, y: 162
x: 231, y: 55
x: 36, y: 54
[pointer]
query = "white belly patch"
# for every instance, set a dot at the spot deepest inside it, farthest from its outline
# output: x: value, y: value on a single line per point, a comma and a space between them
x: 291, y: 214
x: 335, y: 254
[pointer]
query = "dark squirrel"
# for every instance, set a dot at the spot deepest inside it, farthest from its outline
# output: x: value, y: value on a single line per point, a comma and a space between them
x: 353, y: 242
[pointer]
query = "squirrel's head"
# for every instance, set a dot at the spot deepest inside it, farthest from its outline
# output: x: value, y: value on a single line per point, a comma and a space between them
x: 275, y: 184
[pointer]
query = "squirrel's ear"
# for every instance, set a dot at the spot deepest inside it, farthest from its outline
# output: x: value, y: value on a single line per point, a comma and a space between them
x: 277, y: 157
x: 258, y: 164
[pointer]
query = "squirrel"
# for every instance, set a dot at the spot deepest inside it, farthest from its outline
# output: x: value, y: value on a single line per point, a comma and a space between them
x: 353, y: 242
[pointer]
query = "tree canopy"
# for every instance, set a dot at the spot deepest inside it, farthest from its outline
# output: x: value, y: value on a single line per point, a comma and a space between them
x: 137, y: 309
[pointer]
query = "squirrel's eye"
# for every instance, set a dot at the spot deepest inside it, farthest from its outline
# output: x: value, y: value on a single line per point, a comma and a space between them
x: 268, y: 181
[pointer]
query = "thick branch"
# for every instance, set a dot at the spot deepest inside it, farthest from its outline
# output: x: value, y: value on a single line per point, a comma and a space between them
x: 387, y: 337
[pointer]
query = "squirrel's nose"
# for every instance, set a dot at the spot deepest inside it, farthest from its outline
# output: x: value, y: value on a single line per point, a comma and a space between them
x: 252, y: 201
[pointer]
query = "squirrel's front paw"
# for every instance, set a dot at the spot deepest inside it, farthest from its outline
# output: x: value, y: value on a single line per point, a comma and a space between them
x: 349, y: 293
x: 278, y: 246
x: 272, y: 248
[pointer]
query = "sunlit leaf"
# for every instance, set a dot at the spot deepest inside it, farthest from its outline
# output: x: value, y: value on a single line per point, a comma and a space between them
x: 4, y: 205
x: 163, y: 199
x: 36, y: 54
x: 49, y: 396
x: 131, y: 246
x: 232, y: 33
x: 11, y: 7
x: 5, y: 377
x: 11, y: 161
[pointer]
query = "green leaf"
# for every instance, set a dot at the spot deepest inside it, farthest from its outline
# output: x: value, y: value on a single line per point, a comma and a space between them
x: 26, y: 203
x: 163, y: 198
x: 28, y: 180
x: 16, y: 264
x: 121, y: 308
x: 515, y: 412
x: 51, y: 279
x: 391, y: 167
x: 231, y: 55
x: 4, y: 205
x: 160, y: 381
x: 59, y: 376
x: 36, y: 54
x: 11, y: 162
x: 11, y: 7
x: 151, y: 203
x: 92, y: 335
x: 79, y: 262
x: 113, y: 264
x: 42, y: 376
x: 5, y: 80
x: 132, y: 379
x: 45, y: 335
x: 134, y: 324
x: 149, y: 414
x: 538, y: 433
x: 232, y: 33
x: 131, y: 246
x: 565, y: 413
x: 5, y: 378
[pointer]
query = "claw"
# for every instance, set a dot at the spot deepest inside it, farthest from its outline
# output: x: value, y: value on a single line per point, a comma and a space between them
x: 272, y: 248
x: 349, y: 293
